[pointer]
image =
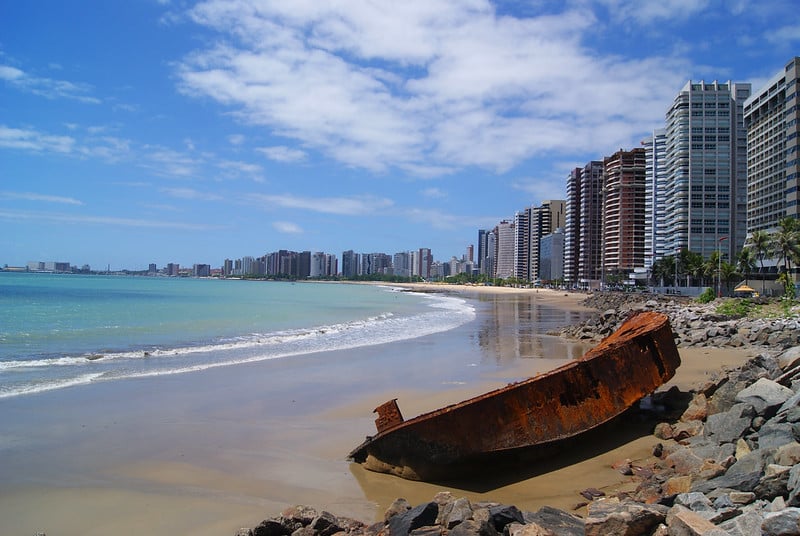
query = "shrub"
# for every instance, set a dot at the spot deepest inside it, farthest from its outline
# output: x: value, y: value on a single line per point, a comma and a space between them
x: 707, y: 296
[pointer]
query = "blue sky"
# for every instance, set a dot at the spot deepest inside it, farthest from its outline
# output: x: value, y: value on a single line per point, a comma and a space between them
x: 172, y: 131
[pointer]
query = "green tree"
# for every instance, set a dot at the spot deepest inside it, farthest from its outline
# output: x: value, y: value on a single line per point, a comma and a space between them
x: 786, y: 243
x: 746, y: 263
x: 728, y: 273
x: 760, y: 244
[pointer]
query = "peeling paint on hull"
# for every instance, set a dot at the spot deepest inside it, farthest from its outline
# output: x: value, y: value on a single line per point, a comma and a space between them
x: 534, y: 414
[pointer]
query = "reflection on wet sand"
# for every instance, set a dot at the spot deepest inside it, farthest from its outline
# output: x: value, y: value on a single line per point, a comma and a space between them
x: 516, y: 326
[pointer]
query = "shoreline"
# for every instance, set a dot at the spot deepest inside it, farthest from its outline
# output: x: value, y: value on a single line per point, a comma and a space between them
x: 241, y: 443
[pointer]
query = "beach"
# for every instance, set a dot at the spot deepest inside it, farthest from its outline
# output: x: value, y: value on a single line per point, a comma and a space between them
x: 211, y: 451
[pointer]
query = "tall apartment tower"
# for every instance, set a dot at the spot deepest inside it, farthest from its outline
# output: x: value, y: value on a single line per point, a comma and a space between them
x: 425, y: 260
x: 706, y: 179
x: 544, y: 219
x: 772, y: 120
x: 583, y: 234
x: 483, y: 250
x: 349, y: 263
x: 655, y: 212
x: 522, y: 238
x: 504, y: 250
x: 572, y: 210
x: 624, y: 211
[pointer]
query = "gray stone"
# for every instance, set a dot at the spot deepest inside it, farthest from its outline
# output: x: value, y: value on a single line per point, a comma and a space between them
x: 789, y: 358
x: 694, y: 501
x: 754, y: 461
x: 420, y: 516
x: 398, y: 506
x: 455, y: 512
x: 728, y: 426
x: 783, y: 523
x: 793, y: 485
x: 775, y: 434
x: 773, y: 485
x: 747, y: 524
x: 739, y: 482
x: 325, y: 524
x: 500, y: 516
x: 472, y: 527
x: 764, y: 395
x: 557, y: 521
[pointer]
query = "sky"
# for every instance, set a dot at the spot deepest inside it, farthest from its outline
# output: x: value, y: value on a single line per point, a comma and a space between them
x: 157, y: 131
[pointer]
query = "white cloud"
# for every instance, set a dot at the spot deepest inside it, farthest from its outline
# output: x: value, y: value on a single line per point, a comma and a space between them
x: 784, y: 36
x: 281, y: 153
x: 346, y: 206
x: 435, y: 219
x: 31, y: 140
x: 47, y: 87
x: 287, y: 227
x: 236, y: 139
x: 82, y: 219
x: 433, y: 193
x: 429, y: 86
x: 30, y: 196
x: 190, y: 194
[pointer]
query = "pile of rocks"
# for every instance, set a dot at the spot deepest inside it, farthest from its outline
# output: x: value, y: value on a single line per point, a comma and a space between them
x: 694, y: 324
x: 726, y: 464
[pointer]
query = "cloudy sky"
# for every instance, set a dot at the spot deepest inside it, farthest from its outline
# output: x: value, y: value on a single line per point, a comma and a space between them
x: 172, y: 131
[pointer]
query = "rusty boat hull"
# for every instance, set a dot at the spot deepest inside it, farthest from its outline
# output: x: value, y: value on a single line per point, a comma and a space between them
x: 535, y: 414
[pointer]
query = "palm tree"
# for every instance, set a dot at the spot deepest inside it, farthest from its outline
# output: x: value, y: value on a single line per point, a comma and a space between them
x: 747, y: 262
x: 728, y: 273
x: 759, y: 244
x: 786, y: 243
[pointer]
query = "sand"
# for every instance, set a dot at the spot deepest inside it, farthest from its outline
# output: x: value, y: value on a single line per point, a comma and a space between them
x: 206, y: 453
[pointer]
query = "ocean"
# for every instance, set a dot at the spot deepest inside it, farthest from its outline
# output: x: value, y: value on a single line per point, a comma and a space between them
x: 59, y: 330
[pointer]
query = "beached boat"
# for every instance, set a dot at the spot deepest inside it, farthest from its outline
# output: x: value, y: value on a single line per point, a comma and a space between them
x: 536, y: 414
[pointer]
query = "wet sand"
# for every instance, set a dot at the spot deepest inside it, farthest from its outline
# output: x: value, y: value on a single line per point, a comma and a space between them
x: 211, y: 451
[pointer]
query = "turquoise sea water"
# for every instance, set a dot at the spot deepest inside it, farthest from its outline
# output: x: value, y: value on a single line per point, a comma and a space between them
x: 64, y: 330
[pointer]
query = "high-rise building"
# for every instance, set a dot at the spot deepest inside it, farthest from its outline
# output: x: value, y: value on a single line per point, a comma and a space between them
x: 706, y: 180
x: 572, y: 211
x: 490, y: 261
x: 349, y: 263
x: 655, y: 239
x: 504, y: 250
x: 772, y: 120
x: 583, y: 226
x: 425, y: 261
x: 623, y: 211
x: 551, y: 256
x: 318, y: 267
x: 544, y: 219
x: 522, y: 240
x: 483, y: 251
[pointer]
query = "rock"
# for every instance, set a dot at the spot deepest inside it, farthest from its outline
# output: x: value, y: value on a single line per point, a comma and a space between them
x: 685, y: 430
x: 683, y: 522
x: 742, y: 497
x: 557, y: 521
x: 420, y: 516
x: 783, y: 523
x: 612, y: 517
x: 453, y: 513
x: 793, y: 485
x: 790, y: 358
x: 764, y: 395
x: 775, y: 434
x: 529, y: 529
x: 677, y: 484
x: 739, y: 481
x: 500, y: 516
x: 742, y: 448
x: 747, y: 524
x: 730, y: 425
x: 271, y: 527
x: 697, y: 410
x: 472, y: 527
x: 774, y: 484
x: 663, y: 431
x: 325, y: 524
x: 696, y: 502
x: 399, y: 506
x: 788, y: 454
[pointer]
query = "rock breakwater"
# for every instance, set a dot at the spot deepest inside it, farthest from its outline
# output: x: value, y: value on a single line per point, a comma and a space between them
x: 694, y: 324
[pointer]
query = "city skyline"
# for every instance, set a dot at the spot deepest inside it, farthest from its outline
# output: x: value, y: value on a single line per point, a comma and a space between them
x: 154, y: 132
